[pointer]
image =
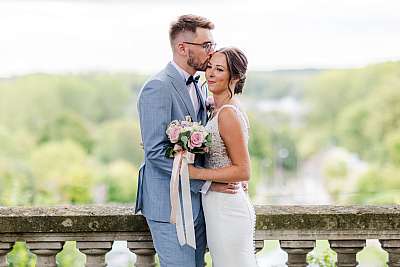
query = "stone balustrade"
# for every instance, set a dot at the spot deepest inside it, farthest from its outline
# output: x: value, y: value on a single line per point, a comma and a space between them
x: 95, y: 228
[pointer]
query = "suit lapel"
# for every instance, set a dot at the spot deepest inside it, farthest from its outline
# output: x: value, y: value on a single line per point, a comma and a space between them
x: 203, y: 105
x: 179, y: 85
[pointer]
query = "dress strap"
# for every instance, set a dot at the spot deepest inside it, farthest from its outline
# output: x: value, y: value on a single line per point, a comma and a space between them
x: 227, y: 106
x: 241, y: 114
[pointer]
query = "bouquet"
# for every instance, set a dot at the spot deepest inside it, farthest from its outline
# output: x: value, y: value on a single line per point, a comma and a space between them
x: 187, y: 136
x: 186, y: 139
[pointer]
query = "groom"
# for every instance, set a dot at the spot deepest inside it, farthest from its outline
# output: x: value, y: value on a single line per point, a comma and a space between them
x: 173, y: 94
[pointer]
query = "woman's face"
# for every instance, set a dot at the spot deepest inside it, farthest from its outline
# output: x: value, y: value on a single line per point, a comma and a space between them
x: 217, y: 74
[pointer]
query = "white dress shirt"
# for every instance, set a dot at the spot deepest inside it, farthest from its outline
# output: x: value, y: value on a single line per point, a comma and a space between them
x: 191, y: 87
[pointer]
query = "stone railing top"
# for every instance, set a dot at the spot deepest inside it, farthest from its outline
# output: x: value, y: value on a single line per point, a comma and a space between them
x: 120, y: 218
x: 327, y: 209
x: 328, y: 218
x: 71, y: 219
x: 67, y: 210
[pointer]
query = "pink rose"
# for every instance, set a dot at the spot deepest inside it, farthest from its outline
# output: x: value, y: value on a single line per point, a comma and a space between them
x: 173, y: 133
x: 196, y: 140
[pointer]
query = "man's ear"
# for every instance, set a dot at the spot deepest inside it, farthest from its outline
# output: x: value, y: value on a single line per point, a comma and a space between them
x: 180, y: 49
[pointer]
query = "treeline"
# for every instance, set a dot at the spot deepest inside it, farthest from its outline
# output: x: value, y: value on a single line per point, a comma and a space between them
x: 69, y: 138
x: 358, y: 109
x: 76, y: 139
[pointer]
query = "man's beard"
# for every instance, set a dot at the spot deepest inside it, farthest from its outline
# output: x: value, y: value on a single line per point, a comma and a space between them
x: 198, y: 66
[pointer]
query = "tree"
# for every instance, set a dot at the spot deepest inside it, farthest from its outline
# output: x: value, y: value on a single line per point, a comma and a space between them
x: 380, y: 185
x: 121, y: 181
x: 62, y: 173
x: 119, y: 139
x: 68, y: 125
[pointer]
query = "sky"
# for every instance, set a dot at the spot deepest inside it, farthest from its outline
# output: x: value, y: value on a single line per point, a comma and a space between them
x: 60, y: 36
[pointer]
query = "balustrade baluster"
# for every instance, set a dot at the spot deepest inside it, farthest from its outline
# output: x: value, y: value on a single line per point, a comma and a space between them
x: 347, y: 251
x: 145, y: 253
x: 45, y: 252
x: 259, y: 245
x: 393, y: 249
x: 5, y: 248
x: 297, y: 251
x: 95, y: 252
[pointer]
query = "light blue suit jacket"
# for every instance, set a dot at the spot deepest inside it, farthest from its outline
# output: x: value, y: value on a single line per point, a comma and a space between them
x: 163, y: 98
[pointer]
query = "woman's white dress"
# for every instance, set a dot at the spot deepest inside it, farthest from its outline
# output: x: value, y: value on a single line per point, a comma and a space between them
x: 230, y: 218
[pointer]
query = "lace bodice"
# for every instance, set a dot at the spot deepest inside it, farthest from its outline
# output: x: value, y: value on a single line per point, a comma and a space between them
x: 218, y: 156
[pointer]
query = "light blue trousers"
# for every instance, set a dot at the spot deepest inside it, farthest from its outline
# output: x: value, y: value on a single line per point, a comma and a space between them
x: 170, y: 253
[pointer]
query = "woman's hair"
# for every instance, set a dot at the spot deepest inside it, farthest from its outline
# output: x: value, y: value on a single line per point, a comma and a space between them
x: 237, y: 65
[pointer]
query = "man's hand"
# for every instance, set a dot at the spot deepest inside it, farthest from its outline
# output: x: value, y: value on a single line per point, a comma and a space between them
x: 231, y: 188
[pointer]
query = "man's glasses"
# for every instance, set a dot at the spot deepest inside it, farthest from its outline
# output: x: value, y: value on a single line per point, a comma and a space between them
x: 208, y: 46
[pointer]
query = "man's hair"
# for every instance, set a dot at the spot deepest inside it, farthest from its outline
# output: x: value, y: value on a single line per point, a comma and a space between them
x: 188, y: 23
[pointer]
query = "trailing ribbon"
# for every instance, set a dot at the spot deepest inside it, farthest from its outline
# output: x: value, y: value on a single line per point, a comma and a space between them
x: 184, y: 224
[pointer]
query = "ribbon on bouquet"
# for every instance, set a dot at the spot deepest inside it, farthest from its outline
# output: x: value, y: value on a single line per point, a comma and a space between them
x: 184, y: 224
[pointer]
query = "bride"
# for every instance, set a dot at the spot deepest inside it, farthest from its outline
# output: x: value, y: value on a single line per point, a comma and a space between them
x: 229, y: 218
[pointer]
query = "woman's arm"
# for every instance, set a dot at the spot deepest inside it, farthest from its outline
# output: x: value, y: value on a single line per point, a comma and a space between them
x: 232, y: 134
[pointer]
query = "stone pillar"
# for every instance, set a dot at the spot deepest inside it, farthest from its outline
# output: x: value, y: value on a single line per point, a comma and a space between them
x: 393, y: 249
x: 145, y: 253
x: 45, y: 251
x: 95, y: 252
x: 347, y: 251
x: 258, y: 245
x: 297, y: 251
x: 5, y: 248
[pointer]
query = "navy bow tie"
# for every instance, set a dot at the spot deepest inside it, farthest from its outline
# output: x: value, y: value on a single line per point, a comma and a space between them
x: 192, y: 79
